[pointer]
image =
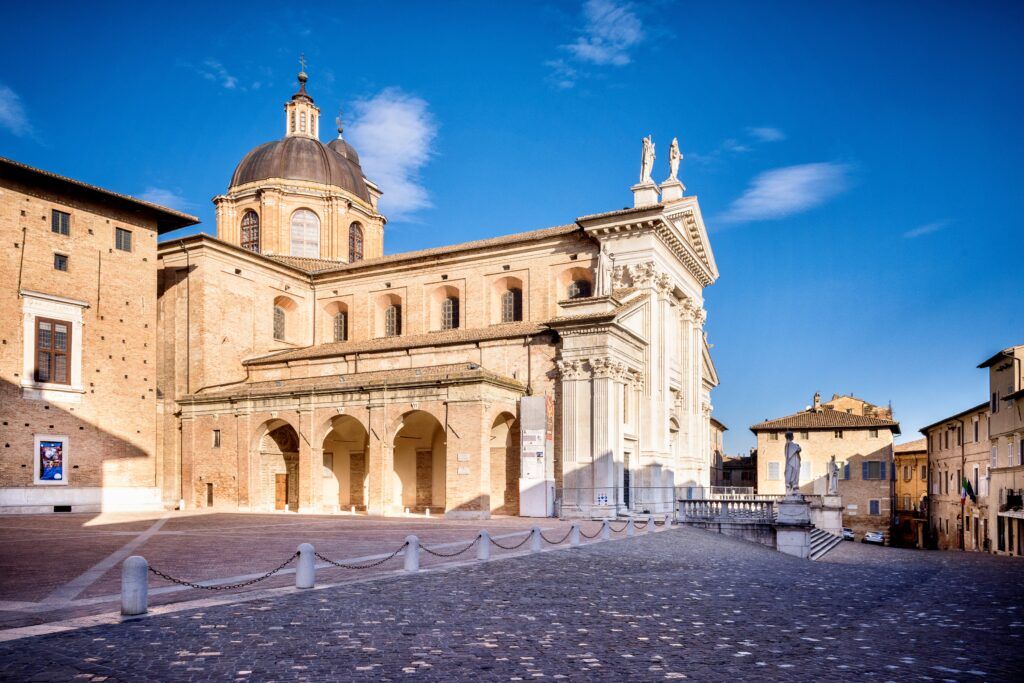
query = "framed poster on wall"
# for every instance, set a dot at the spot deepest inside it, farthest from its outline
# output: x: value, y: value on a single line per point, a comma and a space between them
x: 50, y: 454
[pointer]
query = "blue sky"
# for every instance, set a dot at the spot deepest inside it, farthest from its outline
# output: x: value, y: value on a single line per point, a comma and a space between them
x: 858, y: 164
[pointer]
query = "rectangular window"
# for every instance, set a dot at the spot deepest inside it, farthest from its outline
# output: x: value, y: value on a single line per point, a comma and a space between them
x: 805, y: 435
x: 60, y: 262
x: 773, y: 436
x: 959, y: 436
x: 846, y: 471
x: 805, y: 470
x: 123, y: 239
x: 906, y: 473
x: 874, y: 507
x: 872, y: 469
x: 393, y: 320
x: 216, y: 438
x: 60, y: 222
x: 976, y: 424
x: 873, y: 434
x: 838, y: 433
x: 994, y: 407
x: 924, y: 472
x: 53, y: 346
x: 906, y: 501
x: 773, y: 471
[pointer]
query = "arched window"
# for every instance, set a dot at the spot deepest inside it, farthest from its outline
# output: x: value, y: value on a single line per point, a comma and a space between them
x: 305, y: 234
x: 579, y: 289
x: 279, y: 329
x: 512, y: 305
x: 302, y: 122
x: 355, y: 243
x: 393, y: 320
x: 341, y: 326
x: 251, y: 231
x: 293, y: 120
x: 450, y: 313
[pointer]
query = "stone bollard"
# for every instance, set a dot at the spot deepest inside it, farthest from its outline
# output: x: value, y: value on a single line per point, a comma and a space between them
x: 412, y: 553
x: 406, y: 512
x: 535, y: 539
x: 353, y: 509
x: 428, y: 513
x: 606, y: 531
x: 305, y: 571
x: 483, y: 548
x: 574, y: 535
x: 134, y: 586
x: 630, y: 528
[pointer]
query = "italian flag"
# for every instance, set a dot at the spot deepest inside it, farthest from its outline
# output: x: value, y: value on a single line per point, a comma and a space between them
x: 967, y: 490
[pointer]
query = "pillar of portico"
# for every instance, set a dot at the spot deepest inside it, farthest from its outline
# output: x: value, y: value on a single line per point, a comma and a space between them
x: 187, y: 460
x: 311, y: 460
x: 606, y: 427
x: 379, y: 461
x: 243, y: 458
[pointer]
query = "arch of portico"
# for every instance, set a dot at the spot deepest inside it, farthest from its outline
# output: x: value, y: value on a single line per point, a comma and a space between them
x: 419, y: 463
x: 276, y: 470
x: 505, y: 464
x: 346, y: 475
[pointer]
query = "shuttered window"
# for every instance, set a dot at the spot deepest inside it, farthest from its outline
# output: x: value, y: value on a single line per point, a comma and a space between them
x: 60, y: 222
x: 340, y: 326
x: 123, y: 239
x: 874, y: 507
x: 393, y: 320
x: 512, y: 305
x: 53, y: 346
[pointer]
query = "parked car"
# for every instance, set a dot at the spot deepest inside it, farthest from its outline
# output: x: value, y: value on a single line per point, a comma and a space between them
x: 847, y: 533
x: 875, y: 537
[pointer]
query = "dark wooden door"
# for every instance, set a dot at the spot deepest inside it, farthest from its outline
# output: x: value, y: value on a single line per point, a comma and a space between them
x: 281, y: 492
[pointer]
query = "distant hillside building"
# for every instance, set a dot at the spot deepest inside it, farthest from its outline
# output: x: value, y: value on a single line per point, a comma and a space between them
x: 911, y: 475
x: 862, y: 445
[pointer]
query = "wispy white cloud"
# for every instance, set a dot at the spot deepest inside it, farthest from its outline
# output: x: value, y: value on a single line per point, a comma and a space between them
x: 166, y: 197
x: 12, y: 113
x: 766, y: 134
x: 610, y: 31
x: 785, y: 191
x: 925, y: 229
x: 734, y: 145
x: 394, y: 133
x: 212, y: 70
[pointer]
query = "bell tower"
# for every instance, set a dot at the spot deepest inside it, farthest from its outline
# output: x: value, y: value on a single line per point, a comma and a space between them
x: 301, y: 116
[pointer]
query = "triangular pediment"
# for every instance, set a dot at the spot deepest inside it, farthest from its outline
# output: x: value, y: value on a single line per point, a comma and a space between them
x: 708, y: 371
x: 686, y: 216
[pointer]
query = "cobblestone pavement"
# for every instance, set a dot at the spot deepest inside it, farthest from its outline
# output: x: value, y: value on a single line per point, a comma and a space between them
x: 201, y: 547
x: 672, y: 605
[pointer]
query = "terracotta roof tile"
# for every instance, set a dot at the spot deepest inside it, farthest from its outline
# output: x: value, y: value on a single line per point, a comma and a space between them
x: 825, y: 419
x: 503, y: 331
x: 304, y: 263
x: 915, y: 446
x: 602, y: 315
x: 360, y: 380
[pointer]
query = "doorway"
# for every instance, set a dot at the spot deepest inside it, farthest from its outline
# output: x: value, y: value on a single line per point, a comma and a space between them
x: 625, y: 478
x: 281, y: 492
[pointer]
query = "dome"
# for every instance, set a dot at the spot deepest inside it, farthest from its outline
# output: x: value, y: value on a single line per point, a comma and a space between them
x: 303, y: 158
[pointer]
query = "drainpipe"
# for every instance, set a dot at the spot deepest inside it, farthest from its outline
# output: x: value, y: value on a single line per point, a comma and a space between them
x: 963, y: 475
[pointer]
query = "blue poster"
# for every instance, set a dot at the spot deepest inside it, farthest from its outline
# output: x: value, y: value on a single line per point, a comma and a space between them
x: 51, y: 460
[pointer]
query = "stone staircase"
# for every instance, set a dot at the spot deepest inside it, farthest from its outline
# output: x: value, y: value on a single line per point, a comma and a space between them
x: 822, y: 542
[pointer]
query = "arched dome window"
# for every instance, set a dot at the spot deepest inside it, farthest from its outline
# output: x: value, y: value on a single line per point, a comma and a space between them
x: 305, y: 234
x: 355, y: 243
x: 251, y: 231
x: 579, y: 289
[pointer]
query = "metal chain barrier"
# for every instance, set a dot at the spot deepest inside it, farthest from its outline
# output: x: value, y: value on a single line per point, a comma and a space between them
x: 225, y: 586
x: 638, y: 525
x: 368, y: 565
x: 586, y: 535
x: 657, y: 523
x: 513, y: 547
x: 622, y: 528
x: 561, y: 540
x: 435, y: 553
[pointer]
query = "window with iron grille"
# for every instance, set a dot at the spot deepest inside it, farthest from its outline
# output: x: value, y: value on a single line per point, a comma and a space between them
x: 393, y: 320
x: 60, y: 262
x: 450, y: 313
x: 579, y: 289
x: 60, y: 222
x: 512, y: 305
x: 251, y: 231
x: 216, y: 438
x: 340, y: 326
x: 123, y: 239
x: 355, y: 243
x: 53, y: 345
x: 279, y: 320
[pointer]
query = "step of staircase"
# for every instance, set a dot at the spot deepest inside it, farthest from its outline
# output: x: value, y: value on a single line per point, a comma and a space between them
x: 822, y: 542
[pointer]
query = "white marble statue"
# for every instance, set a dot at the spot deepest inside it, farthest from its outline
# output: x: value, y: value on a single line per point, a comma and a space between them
x: 604, y: 272
x: 833, y: 477
x: 792, y: 466
x: 674, y: 157
x: 647, y: 161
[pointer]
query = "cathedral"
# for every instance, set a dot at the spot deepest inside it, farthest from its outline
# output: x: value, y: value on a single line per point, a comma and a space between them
x: 563, y: 370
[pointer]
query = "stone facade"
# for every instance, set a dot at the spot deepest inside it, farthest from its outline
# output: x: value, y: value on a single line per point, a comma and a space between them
x: 97, y: 413
x: 398, y: 378
x: 958, y: 447
x: 862, y: 446
x: 1006, y: 443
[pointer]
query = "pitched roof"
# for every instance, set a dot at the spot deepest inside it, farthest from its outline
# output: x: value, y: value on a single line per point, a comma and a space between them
x: 502, y: 331
x: 825, y: 419
x: 1005, y: 353
x: 304, y: 262
x: 915, y: 446
x: 616, y: 297
x: 979, y: 407
x: 435, y: 374
x: 166, y: 219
